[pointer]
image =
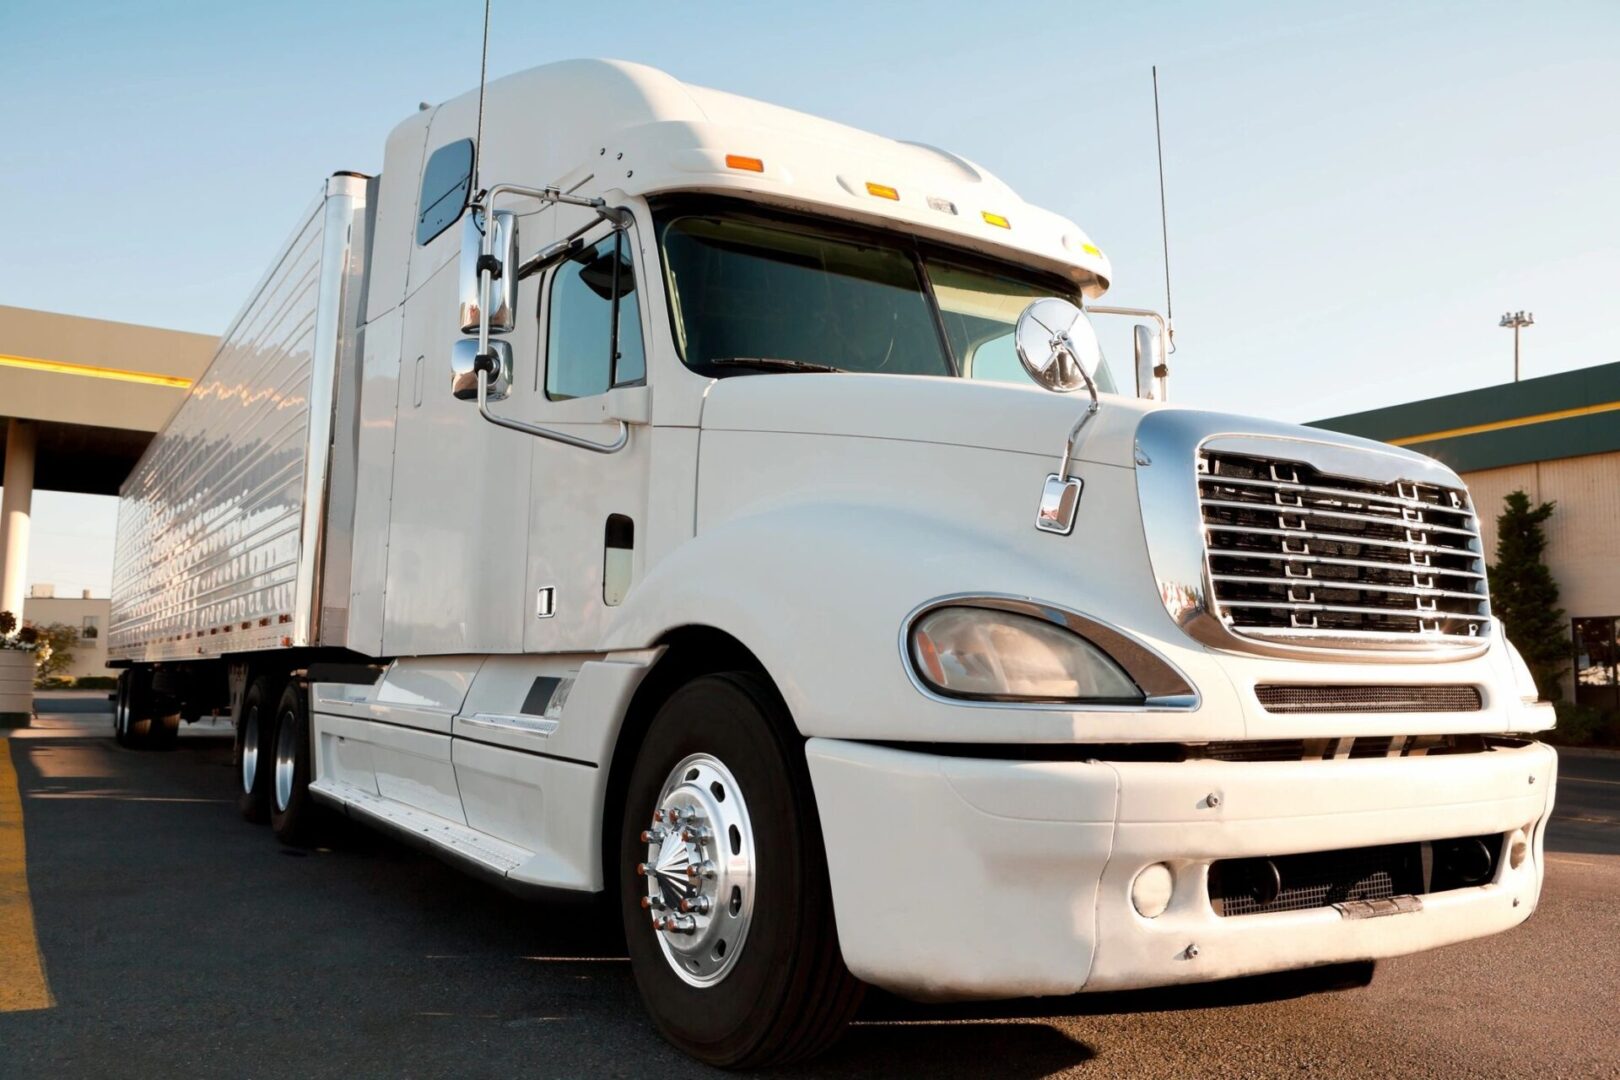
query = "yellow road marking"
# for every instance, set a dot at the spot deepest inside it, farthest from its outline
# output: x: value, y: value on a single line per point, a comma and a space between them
x: 22, y: 969
x: 1500, y: 425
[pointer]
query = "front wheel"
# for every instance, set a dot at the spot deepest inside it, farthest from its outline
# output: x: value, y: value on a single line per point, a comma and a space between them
x: 723, y: 881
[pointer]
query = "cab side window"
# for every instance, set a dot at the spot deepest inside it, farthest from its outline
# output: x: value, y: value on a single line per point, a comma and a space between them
x: 593, y: 335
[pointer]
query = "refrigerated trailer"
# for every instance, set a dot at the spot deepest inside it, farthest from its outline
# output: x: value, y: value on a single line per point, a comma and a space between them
x: 687, y: 500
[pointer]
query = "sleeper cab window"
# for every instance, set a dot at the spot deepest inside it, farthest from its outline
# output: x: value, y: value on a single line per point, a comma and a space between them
x: 445, y: 184
x: 593, y: 331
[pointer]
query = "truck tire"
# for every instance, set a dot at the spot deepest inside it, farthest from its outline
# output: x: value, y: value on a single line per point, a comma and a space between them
x: 254, y: 729
x: 121, y: 708
x: 737, y: 959
x: 142, y: 718
x: 294, y: 815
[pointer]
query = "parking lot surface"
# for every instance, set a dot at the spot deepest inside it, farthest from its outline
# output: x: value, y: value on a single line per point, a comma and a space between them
x: 177, y: 941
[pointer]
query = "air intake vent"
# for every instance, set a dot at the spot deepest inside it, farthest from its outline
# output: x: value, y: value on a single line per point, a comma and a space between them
x: 1368, y: 699
x: 1296, y: 554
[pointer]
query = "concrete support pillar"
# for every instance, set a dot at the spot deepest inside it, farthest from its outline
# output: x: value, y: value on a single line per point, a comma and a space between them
x: 15, y: 504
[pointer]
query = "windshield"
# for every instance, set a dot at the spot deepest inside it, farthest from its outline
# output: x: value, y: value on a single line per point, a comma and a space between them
x: 749, y: 293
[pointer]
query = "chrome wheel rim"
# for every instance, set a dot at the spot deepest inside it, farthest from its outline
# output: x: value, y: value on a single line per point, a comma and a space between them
x: 121, y: 711
x: 286, y: 760
x: 700, y: 870
x: 250, y: 748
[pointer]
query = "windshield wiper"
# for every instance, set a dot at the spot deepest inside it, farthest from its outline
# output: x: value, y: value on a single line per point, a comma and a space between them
x: 770, y: 363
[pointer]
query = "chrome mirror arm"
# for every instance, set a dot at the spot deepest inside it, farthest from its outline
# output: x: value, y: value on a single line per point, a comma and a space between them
x: 1091, y: 410
x: 485, y: 362
x: 546, y: 433
x: 1167, y: 342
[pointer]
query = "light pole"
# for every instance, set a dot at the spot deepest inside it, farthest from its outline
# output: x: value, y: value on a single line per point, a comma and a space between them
x: 1518, y: 320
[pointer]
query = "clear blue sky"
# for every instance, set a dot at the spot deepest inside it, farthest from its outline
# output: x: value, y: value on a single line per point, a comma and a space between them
x: 1357, y: 192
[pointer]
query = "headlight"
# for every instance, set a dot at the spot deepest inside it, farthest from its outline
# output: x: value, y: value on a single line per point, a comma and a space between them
x: 998, y: 655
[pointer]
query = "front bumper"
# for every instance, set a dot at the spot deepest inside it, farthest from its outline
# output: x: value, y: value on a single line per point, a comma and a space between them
x: 959, y: 877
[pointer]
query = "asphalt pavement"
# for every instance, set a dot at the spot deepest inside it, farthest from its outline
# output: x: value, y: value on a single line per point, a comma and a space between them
x: 180, y: 941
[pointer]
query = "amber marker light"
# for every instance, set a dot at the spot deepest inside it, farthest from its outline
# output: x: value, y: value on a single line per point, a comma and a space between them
x: 90, y: 371
x: 995, y: 219
x: 746, y: 164
x: 882, y: 191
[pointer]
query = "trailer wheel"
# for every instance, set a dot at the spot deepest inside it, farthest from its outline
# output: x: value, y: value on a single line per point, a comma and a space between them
x: 723, y: 881
x: 294, y: 815
x: 253, y: 749
x: 143, y: 719
x: 121, y: 708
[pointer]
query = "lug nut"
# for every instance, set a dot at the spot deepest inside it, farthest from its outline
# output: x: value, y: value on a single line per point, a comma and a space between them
x: 658, y: 815
x: 675, y: 815
x: 652, y: 836
x: 680, y: 924
x: 641, y: 869
x: 695, y: 835
x: 703, y: 869
x: 700, y: 905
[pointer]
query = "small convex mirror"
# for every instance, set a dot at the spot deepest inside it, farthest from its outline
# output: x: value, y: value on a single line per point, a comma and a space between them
x: 1057, y: 345
x: 502, y: 290
x: 464, y: 372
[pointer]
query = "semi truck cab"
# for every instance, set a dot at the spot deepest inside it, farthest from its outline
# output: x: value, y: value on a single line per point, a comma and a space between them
x: 641, y: 490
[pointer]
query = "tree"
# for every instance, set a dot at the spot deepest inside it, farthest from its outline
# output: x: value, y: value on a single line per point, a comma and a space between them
x: 1525, y: 596
x: 55, y: 641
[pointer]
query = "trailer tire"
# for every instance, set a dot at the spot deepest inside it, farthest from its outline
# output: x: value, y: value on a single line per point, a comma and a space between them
x: 294, y: 814
x: 254, y: 729
x: 142, y: 718
x: 121, y: 708
x: 783, y: 993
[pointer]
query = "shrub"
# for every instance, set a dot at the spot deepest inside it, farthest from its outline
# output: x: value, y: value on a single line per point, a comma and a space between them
x: 1525, y: 596
x: 96, y: 682
x: 1582, y: 725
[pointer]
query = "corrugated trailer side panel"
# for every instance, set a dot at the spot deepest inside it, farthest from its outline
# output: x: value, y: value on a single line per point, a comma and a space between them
x: 212, y: 521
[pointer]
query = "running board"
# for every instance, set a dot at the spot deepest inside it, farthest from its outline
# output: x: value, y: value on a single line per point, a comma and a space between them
x: 478, y: 852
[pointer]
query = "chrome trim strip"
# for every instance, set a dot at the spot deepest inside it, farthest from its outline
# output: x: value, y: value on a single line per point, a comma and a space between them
x: 1173, y: 523
x: 1345, y: 515
x: 1165, y: 686
x: 1335, y: 583
x: 1332, y: 493
x: 529, y: 725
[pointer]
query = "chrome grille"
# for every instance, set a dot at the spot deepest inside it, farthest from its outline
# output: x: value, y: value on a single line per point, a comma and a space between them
x: 1301, y: 555
x: 1368, y: 699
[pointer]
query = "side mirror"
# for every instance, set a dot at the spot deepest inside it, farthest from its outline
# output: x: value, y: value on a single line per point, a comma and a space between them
x: 1057, y: 345
x: 503, y: 289
x: 1147, y: 361
x: 464, y: 373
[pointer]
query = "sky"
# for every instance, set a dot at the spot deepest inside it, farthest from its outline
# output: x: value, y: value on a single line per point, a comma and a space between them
x: 1356, y: 193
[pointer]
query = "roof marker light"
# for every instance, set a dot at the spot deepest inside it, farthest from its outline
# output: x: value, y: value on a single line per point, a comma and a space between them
x: 747, y: 164
x: 882, y: 191
x: 1091, y: 249
x: 944, y: 206
x: 995, y: 219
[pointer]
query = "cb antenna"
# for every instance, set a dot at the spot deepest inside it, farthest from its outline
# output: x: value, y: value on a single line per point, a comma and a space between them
x: 1164, y: 222
x: 483, y: 71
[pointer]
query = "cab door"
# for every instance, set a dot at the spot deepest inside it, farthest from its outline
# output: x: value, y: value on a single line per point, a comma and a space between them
x: 587, y: 526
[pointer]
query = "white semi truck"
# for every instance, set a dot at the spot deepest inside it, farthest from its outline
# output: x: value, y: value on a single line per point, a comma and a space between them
x: 637, y: 489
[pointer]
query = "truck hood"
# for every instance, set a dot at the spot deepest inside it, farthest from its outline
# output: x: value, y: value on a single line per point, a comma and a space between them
x: 961, y: 412
x: 915, y: 408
